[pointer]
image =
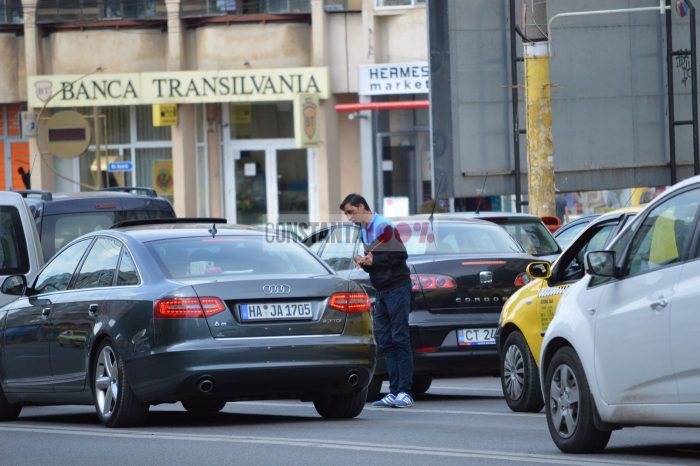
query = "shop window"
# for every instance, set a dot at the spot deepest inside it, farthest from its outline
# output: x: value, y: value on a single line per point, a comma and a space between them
x: 145, y: 131
x: 261, y: 120
x: 10, y: 11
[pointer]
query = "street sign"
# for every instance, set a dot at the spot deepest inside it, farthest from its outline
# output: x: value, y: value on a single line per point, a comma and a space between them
x: 120, y: 166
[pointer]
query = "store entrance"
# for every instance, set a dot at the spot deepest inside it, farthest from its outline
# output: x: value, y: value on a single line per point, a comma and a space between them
x: 267, y: 181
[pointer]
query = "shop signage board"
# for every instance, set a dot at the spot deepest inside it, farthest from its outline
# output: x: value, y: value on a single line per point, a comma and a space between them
x: 394, y: 78
x: 176, y: 87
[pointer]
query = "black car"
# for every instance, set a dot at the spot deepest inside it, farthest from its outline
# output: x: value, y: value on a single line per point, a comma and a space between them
x: 62, y: 217
x: 198, y: 313
x: 462, y: 270
x: 528, y: 230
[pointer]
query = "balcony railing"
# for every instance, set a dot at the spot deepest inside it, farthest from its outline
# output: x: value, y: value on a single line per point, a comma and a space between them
x: 204, y: 8
x: 66, y: 11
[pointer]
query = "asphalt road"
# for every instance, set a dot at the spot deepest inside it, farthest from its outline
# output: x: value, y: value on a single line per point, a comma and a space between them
x: 459, y: 422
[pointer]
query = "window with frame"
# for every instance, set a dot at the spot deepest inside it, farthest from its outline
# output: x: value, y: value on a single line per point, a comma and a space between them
x: 57, y: 275
x: 663, y: 236
x: 11, y: 12
x: 100, y: 264
x: 127, y: 274
x: 14, y: 258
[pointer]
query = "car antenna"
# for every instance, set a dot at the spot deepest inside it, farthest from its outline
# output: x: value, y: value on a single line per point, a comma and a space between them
x: 432, y: 213
x: 213, y: 231
x: 481, y: 198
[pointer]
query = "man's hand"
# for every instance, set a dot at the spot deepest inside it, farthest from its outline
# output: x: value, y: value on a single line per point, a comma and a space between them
x: 365, y: 261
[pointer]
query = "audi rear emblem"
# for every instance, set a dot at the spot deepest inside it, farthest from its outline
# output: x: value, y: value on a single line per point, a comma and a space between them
x: 277, y: 289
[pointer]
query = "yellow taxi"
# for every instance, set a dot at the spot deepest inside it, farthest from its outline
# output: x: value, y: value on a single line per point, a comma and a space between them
x: 526, y: 315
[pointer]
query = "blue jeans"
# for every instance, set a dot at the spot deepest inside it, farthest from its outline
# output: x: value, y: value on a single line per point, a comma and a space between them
x: 393, y: 336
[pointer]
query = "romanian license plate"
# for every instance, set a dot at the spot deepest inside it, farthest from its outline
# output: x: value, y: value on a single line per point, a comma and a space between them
x: 476, y: 336
x: 275, y: 311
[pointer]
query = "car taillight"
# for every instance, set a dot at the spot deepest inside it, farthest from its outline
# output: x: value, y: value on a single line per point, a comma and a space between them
x: 431, y: 281
x: 183, y: 308
x: 350, y: 302
x: 522, y: 279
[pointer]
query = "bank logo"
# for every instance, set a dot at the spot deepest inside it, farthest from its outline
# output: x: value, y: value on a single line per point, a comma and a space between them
x: 309, y: 111
x: 43, y: 90
x: 277, y: 289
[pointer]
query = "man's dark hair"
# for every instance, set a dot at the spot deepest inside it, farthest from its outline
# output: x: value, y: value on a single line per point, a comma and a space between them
x: 354, y: 200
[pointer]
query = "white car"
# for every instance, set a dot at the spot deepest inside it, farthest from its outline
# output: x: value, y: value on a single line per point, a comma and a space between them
x: 623, y: 347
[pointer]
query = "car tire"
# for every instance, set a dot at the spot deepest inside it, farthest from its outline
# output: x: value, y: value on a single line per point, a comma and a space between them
x: 421, y: 384
x: 569, y: 406
x: 8, y: 411
x: 115, y: 402
x: 203, y: 407
x: 374, y: 389
x: 519, y: 376
x: 341, y: 406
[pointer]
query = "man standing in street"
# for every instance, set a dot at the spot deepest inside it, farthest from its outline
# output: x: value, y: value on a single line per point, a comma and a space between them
x: 385, y: 262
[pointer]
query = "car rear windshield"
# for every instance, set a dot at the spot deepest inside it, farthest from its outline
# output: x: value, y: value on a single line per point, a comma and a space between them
x: 13, y: 247
x: 60, y: 229
x: 533, y: 237
x: 232, y: 255
x: 462, y: 238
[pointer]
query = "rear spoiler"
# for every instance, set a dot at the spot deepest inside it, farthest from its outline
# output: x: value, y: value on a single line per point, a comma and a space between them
x: 168, y: 221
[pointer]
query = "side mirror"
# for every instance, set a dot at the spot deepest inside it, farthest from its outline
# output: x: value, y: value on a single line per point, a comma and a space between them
x: 600, y: 263
x: 539, y: 270
x: 14, y: 285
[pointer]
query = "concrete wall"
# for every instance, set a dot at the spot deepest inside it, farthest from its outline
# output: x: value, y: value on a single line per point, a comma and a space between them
x: 12, y: 72
x: 259, y: 45
x: 117, y: 51
x: 402, y: 37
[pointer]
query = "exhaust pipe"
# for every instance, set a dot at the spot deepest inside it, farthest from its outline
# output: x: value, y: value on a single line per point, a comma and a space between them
x: 352, y: 378
x: 205, y: 384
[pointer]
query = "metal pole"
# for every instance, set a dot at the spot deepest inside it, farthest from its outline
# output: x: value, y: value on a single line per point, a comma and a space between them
x: 669, y: 90
x: 514, y: 98
x: 540, y: 147
x: 694, y: 87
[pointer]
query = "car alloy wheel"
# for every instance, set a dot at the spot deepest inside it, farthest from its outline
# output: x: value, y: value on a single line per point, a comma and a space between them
x: 564, y: 397
x: 513, y: 372
x: 571, y: 409
x: 115, y: 402
x: 519, y: 378
x: 106, y: 382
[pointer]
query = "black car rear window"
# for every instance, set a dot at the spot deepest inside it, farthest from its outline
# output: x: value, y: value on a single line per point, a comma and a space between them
x: 462, y: 238
x: 232, y: 255
x: 533, y: 237
x: 13, y: 247
x: 58, y: 230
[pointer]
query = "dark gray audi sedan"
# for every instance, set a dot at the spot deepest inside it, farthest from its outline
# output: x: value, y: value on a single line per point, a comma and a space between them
x: 170, y: 312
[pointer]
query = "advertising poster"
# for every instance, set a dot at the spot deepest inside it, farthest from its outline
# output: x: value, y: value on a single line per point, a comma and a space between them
x: 163, y: 177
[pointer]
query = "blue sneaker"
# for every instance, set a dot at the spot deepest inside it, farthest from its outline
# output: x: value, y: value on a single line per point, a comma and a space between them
x: 403, y: 400
x: 386, y: 402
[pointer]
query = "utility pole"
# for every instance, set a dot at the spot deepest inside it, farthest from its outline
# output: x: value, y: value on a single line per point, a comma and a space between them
x: 540, y: 148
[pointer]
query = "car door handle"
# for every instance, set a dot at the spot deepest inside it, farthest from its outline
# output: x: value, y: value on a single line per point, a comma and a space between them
x: 92, y: 310
x: 45, y: 312
x: 660, y: 304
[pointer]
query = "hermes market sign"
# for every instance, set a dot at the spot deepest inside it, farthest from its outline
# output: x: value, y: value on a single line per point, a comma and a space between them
x: 180, y: 87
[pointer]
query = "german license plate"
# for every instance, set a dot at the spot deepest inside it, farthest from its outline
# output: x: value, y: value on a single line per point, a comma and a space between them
x: 275, y: 311
x: 476, y: 336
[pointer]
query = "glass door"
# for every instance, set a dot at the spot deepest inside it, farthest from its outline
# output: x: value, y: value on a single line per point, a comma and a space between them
x: 251, y: 187
x: 292, y: 185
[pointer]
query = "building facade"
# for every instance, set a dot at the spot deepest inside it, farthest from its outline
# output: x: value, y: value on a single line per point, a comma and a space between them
x: 227, y: 107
